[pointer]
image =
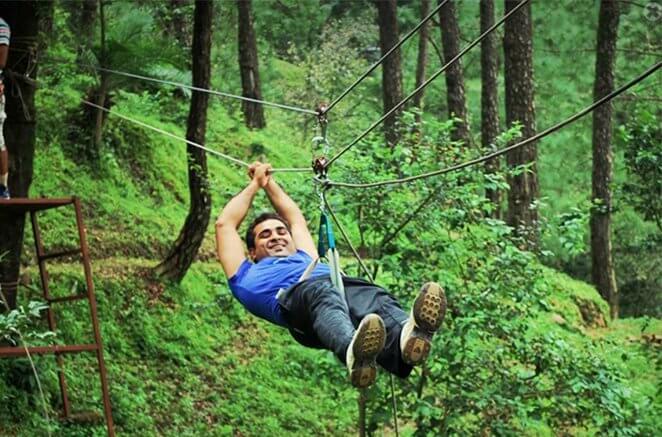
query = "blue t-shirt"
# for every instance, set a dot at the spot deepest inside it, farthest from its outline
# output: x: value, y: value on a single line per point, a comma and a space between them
x: 256, y: 285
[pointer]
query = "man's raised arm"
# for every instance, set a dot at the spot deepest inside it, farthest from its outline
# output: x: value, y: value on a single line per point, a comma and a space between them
x: 229, y: 247
x: 289, y: 210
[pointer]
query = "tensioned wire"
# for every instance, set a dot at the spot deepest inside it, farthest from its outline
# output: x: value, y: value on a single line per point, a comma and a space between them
x: 386, y: 55
x: 434, y: 76
x: 203, y: 90
x: 416, y: 211
x: 189, y: 142
x: 505, y: 150
x: 426, y: 83
x: 192, y: 143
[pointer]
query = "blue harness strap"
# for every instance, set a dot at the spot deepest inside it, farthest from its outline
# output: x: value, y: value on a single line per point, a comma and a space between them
x: 326, y: 246
x: 326, y: 239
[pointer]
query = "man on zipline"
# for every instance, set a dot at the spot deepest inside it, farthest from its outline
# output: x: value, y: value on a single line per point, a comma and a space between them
x: 369, y: 327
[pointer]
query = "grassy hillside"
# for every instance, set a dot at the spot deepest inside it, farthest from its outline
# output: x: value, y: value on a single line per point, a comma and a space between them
x: 188, y: 360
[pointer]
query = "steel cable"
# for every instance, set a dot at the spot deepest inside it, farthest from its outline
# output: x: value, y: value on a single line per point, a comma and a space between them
x: 386, y: 55
x: 505, y: 150
x: 189, y: 142
x: 426, y: 83
x: 186, y: 86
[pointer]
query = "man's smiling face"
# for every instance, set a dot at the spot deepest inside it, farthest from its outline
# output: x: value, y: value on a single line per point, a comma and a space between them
x: 272, y: 239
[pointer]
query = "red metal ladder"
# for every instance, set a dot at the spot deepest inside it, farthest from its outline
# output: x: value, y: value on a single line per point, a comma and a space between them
x: 33, y: 206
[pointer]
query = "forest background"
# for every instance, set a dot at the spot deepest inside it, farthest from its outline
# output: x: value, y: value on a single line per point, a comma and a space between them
x: 529, y: 347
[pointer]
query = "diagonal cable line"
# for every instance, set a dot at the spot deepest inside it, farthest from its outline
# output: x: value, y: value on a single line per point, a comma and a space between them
x: 391, y: 235
x: 189, y: 142
x: 505, y: 150
x: 205, y: 90
x: 386, y: 55
x: 192, y: 143
x: 347, y: 240
x: 183, y: 85
x: 426, y: 83
x: 163, y: 132
x: 194, y: 88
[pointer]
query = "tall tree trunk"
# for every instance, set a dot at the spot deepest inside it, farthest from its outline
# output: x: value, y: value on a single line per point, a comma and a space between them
x: 457, y: 106
x: 25, y: 19
x: 421, y: 62
x: 87, y: 19
x: 186, y: 247
x: 518, y: 54
x: 391, y: 67
x: 102, y: 91
x: 248, y: 64
x: 603, y: 273
x: 489, y: 104
x: 100, y: 117
x: 177, y: 22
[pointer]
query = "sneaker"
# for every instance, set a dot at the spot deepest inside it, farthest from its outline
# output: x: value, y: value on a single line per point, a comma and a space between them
x: 427, y: 314
x: 367, y: 343
x: 4, y: 192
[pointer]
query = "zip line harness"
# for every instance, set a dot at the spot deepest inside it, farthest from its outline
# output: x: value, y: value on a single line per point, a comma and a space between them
x: 326, y: 241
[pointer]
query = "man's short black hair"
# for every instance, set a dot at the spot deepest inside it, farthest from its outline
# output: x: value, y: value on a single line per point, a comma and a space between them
x: 250, y: 235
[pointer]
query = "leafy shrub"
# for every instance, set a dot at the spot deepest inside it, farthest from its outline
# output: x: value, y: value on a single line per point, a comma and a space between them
x: 18, y: 325
x: 642, y: 143
x: 492, y: 373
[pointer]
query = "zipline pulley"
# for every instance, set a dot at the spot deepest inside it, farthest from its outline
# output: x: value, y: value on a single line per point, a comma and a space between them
x: 320, y: 169
x: 321, y: 143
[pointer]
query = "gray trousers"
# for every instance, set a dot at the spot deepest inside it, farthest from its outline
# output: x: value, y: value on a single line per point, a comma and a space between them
x: 317, y: 317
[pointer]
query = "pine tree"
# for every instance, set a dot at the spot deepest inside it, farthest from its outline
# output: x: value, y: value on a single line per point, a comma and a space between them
x: 455, y: 98
x: 422, y: 60
x: 391, y: 67
x: 181, y: 255
x: 603, y: 273
x: 248, y: 65
x: 489, y: 104
x: 518, y: 54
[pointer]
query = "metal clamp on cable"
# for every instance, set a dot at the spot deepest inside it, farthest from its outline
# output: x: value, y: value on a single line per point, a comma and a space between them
x: 322, y: 108
x: 321, y: 143
x: 320, y: 169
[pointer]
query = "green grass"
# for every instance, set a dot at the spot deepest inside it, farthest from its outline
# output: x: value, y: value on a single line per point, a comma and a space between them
x: 191, y: 361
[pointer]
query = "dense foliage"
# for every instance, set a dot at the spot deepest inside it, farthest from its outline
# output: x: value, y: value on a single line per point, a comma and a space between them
x: 524, y: 350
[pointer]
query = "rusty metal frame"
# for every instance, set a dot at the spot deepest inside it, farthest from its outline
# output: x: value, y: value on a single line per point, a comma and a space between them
x: 33, y: 206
